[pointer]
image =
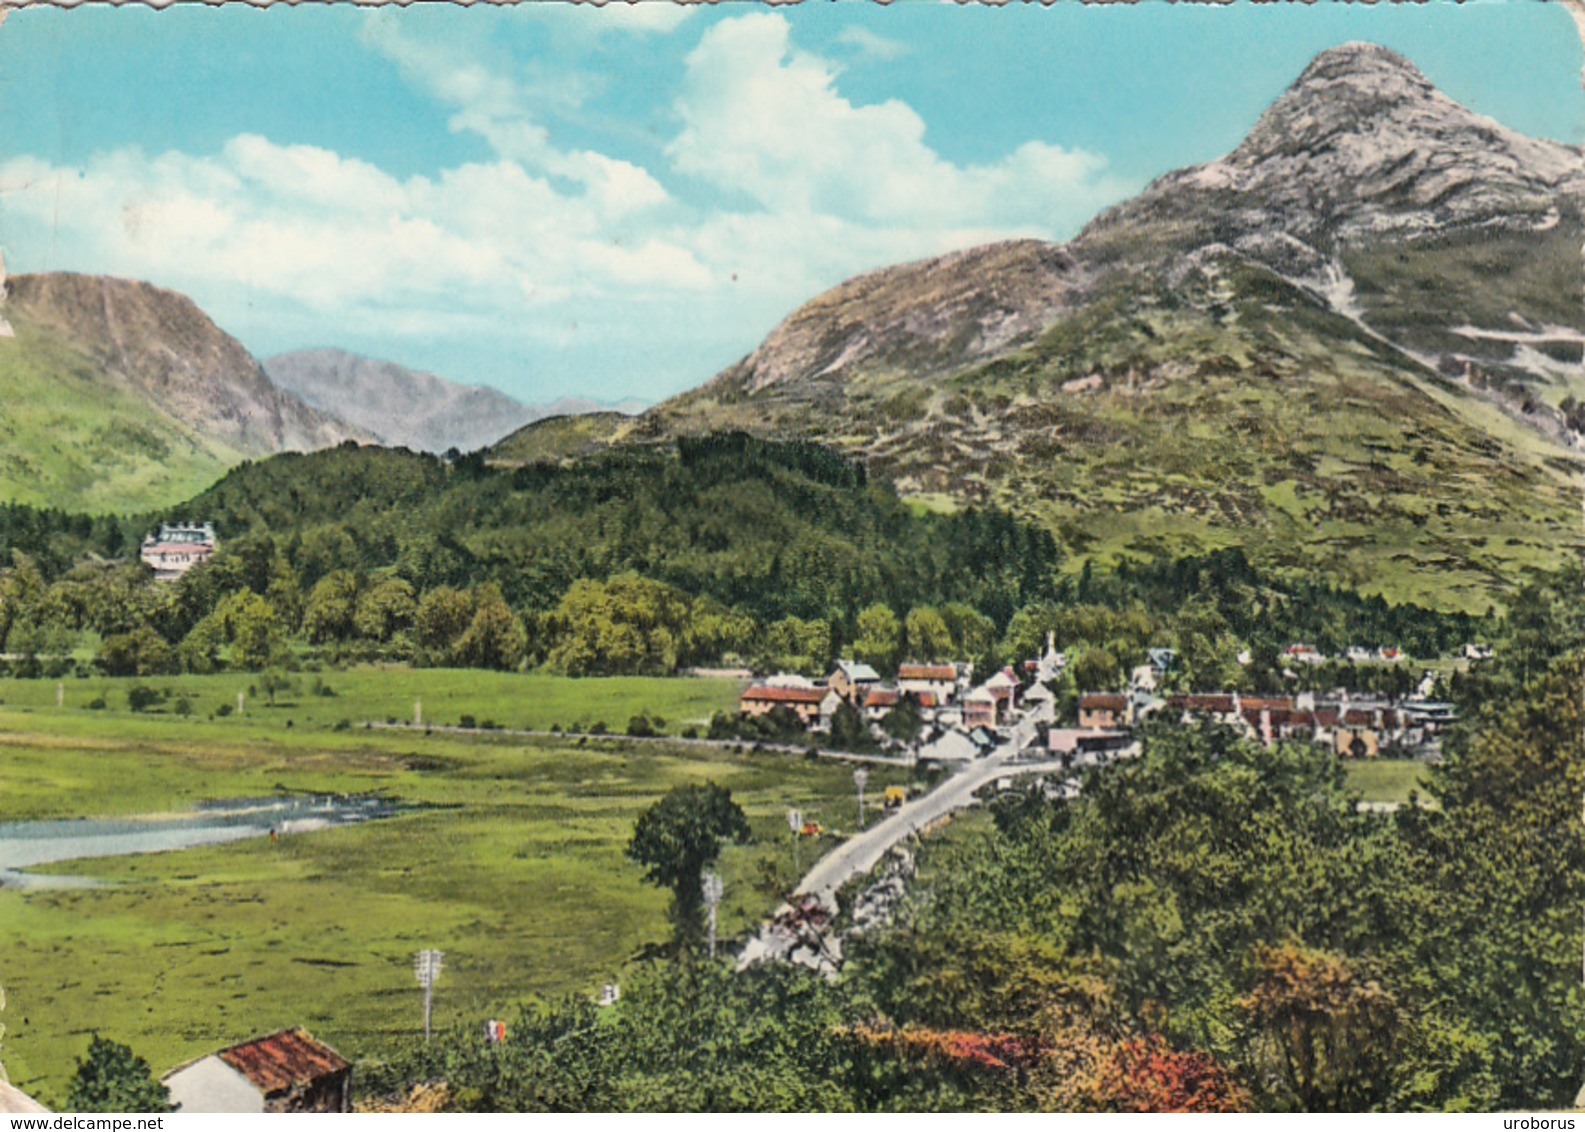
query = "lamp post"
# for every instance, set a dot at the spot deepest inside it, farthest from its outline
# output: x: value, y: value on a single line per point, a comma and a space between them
x: 710, y: 886
x: 860, y: 777
x: 426, y: 966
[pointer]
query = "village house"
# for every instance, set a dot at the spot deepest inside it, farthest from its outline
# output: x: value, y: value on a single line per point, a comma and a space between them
x: 289, y: 1071
x: 1103, y: 711
x: 1224, y: 707
x: 950, y: 747
x: 176, y: 548
x: 1303, y: 654
x: 762, y: 699
x: 938, y: 680
x: 1358, y: 735
x: 852, y: 680
x: 979, y: 708
x: 1087, y: 747
x: 993, y: 702
x: 879, y: 701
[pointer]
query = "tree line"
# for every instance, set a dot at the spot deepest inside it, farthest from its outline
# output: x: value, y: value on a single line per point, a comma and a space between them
x: 723, y: 549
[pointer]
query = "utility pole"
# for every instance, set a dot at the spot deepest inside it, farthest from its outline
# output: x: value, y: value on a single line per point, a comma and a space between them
x: 860, y: 777
x: 795, y: 822
x: 426, y: 966
x: 710, y: 885
x: 418, y: 712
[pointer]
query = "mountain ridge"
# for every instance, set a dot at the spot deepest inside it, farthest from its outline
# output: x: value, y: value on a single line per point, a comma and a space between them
x: 1305, y: 346
x: 118, y: 395
x: 411, y: 408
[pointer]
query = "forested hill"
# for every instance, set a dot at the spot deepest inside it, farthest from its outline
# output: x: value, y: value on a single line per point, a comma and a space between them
x: 723, y: 548
x: 774, y: 529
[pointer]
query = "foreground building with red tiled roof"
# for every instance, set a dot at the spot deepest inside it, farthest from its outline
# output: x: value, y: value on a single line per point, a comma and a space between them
x: 288, y: 1071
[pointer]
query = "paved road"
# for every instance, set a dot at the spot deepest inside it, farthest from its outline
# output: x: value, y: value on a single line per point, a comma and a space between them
x: 862, y: 852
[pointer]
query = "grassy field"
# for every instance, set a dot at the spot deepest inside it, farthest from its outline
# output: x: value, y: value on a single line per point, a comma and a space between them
x: 1386, y: 780
x: 515, y: 869
x: 529, y: 702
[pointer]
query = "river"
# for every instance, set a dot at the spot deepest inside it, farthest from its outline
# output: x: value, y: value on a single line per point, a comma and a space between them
x: 30, y: 844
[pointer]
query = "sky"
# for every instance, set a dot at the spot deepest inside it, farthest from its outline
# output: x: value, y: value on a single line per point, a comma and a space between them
x: 560, y: 199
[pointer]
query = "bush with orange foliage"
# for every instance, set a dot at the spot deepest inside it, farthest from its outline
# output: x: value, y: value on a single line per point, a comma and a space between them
x: 1145, y: 1074
x: 968, y: 1048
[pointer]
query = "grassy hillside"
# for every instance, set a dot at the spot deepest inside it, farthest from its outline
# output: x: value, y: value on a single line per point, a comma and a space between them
x: 69, y: 438
x: 556, y: 439
x: 1231, y: 408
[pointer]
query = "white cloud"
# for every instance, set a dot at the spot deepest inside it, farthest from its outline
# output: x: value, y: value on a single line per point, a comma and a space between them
x: 870, y: 45
x: 764, y: 118
x: 545, y: 242
x: 640, y: 16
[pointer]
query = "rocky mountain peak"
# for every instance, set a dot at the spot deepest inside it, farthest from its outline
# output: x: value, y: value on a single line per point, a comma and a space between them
x: 1362, y: 146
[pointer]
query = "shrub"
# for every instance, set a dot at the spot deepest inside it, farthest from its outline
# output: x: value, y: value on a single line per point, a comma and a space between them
x: 343, y: 725
x: 183, y: 706
x: 96, y: 704
x: 690, y: 733
x: 140, y: 697
x: 598, y: 728
x: 224, y: 710
x: 468, y: 722
x: 640, y: 728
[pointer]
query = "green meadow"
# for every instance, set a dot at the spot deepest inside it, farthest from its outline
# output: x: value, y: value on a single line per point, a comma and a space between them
x: 511, y: 861
x: 513, y: 866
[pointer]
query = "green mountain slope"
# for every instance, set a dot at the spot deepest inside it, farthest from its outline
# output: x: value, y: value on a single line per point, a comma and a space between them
x: 116, y: 396
x: 67, y: 439
x: 1343, y: 346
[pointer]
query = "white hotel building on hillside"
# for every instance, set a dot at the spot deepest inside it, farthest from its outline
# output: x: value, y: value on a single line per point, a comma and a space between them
x: 176, y: 548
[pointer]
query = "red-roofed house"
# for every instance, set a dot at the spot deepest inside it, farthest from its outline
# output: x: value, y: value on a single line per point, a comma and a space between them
x: 938, y: 680
x: 761, y: 699
x: 289, y: 1071
x: 879, y: 701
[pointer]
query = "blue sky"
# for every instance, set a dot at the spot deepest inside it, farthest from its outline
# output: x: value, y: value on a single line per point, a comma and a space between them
x: 560, y: 199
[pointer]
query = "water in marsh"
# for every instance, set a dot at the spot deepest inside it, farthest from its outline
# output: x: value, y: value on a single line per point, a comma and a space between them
x: 29, y: 844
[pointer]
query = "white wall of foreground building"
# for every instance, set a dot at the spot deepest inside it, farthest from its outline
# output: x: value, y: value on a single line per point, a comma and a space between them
x: 893, y: 1122
x: 209, y: 1085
